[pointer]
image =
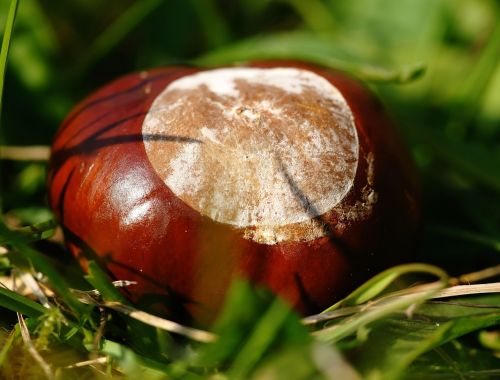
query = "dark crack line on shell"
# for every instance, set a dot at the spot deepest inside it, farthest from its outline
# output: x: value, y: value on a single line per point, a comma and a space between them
x: 86, y: 107
x: 313, y: 212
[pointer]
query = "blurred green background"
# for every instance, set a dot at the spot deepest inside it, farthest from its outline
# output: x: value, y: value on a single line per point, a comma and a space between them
x: 449, y: 113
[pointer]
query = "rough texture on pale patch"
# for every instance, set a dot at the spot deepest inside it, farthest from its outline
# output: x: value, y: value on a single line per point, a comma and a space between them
x: 259, y: 149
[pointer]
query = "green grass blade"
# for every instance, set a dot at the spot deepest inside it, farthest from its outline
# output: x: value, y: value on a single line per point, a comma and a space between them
x: 380, y: 309
x: 260, y: 340
x: 101, y: 282
x: 215, y: 28
x: 7, y: 345
x: 315, y: 14
x: 465, y: 235
x: 113, y: 35
x: 139, y: 366
x: 474, y: 160
x: 4, y: 52
x: 395, y: 343
x: 473, y: 89
x: 404, y: 351
x: 381, y: 281
x: 308, y: 47
x: 42, y: 230
x: 59, y: 284
x: 15, y: 302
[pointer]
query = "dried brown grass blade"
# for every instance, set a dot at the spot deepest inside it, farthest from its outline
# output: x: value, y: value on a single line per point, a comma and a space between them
x: 25, y: 153
x: 452, y: 291
x: 93, y: 297
x: 466, y: 290
x: 100, y: 360
x: 165, y: 324
x: 32, y: 350
x: 480, y: 275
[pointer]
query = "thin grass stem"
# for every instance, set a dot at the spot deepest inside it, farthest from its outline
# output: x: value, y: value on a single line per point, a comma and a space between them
x: 33, y: 351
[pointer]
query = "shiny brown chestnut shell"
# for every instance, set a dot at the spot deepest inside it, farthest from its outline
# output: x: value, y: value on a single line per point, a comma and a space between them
x: 118, y: 207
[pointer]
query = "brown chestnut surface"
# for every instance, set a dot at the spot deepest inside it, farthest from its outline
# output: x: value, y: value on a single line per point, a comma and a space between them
x: 283, y: 173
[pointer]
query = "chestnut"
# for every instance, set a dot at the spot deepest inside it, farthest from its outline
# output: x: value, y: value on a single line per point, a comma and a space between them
x: 284, y: 173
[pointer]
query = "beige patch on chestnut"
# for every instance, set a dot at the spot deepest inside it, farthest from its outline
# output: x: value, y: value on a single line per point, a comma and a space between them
x: 265, y: 150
